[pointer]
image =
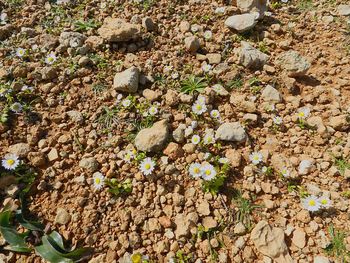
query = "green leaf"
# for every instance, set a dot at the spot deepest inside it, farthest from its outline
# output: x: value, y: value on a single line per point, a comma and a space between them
x: 15, y: 240
x: 52, y: 249
x: 20, y: 216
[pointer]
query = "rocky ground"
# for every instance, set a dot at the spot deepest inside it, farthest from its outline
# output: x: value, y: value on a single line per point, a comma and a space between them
x: 179, y: 131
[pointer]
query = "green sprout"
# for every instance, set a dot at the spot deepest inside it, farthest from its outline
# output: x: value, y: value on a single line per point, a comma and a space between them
x: 193, y: 84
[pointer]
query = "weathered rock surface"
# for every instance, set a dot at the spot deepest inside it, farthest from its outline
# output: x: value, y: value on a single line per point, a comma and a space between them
x: 250, y: 57
x: 242, y: 22
x: 118, y: 30
x: 293, y: 63
x: 127, y: 81
x: 231, y: 131
x: 153, y: 139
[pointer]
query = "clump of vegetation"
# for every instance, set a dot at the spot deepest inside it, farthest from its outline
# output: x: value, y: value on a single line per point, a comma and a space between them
x: 337, y: 247
x: 245, y: 209
x: 193, y: 84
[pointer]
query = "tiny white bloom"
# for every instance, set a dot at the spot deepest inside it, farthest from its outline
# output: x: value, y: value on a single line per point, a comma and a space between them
x: 129, y: 155
x: 277, y: 120
x: 208, y: 172
x: 325, y: 202
x: 206, y: 156
x: 215, y: 114
x: 16, y: 107
x: 209, y: 139
x: 195, y: 170
x: 153, y: 110
x: 270, y: 107
x: 50, y: 59
x: 194, y: 124
x: 311, y: 203
x: 223, y: 160
x: 195, y: 139
x: 220, y: 10
x: 303, y: 113
x: 10, y: 161
x: 167, y: 69
x: 256, y: 157
x: 147, y: 166
x: 99, y: 180
x: 284, y: 1
x: 175, y: 75
x: 206, y: 67
x: 208, y: 34
x: 199, y: 108
x: 20, y: 52
x: 188, y: 131
x: 264, y: 169
x: 126, y: 103
x: 201, y: 99
x: 285, y: 172
x: 27, y: 88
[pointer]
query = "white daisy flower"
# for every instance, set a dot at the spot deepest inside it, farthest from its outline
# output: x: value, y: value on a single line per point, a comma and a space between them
x: 175, y: 75
x: 206, y: 67
x: 223, y: 160
x: 264, y: 169
x: 256, y: 157
x: 284, y: 1
x: 215, y: 114
x: 27, y: 88
x: 285, y: 172
x: 311, y: 203
x: 195, y: 170
x: 129, y: 155
x: 99, y: 180
x: 208, y: 139
x: 325, y: 202
x: 50, y: 59
x: 153, y: 110
x: 20, y: 52
x: 201, y: 99
x: 188, y: 131
x: 195, y: 139
x: 208, y: 172
x: 3, y: 18
x: 207, y: 34
x: 10, y: 161
x: 277, y: 120
x: 199, y: 108
x: 206, y: 156
x: 147, y: 166
x: 126, y: 103
x: 303, y: 113
x: 16, y: 107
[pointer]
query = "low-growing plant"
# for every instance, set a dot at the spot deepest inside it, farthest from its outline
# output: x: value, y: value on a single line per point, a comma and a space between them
x: 108, y: 118
x: 245, y: 209
x: 181, y: 257
x: 83, y: 26
x: 193, y: 84
x: 119, y: 188
x: 341, y: 164
x: 337, y: 247
x: 236, y: 83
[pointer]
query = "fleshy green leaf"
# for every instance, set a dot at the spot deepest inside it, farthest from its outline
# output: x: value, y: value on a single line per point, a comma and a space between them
x: 20, y: 216
x: 15, y: 240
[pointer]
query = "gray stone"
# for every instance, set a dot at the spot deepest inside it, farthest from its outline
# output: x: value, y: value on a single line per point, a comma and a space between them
x: 118, y: 30
x: 239, y: 229
x: 89, y: 164
x: 53, y: 155
x: 270, y: 242
x: 344, y: 10
x: 19, y: 149
x: 231, y: 131
x: 75, y: 116
x: 192, y: 44
x: 250, y: 57
x: 127, y: 81
x: 179, y: 133
x: 62, y: 216
x: 241, y: 23
x: 271, y: 94
x: 253, y: 6
x: 321, y: 259
x: 72, y: 39
x: 153, y: 139
x: 293, y: 63
x: 148, y: 24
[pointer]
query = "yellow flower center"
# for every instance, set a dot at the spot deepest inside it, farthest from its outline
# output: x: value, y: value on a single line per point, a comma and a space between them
x: 97, y: 180
x: 312, y: 203
x: 301, y: 114
x: 10, y: 161
x: 324, y: 202
x: 136, y: 258
x: 147, y: 166
x: 207, y: 172
x: 50, y: 59
x: 209, y: 139
x: 198, y: 107
x: 196, y: 170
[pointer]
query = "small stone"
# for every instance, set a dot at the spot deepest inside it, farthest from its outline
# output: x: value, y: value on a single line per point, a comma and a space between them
x: 321, y: 259
x: 293, y: 63
x: 241, y: 23
x: 203, y: 208
x: 239, y: 229
x: 214, y: 58
x: 257, y: 7
x: 231, y: 131
x: 271, y: 94
x: 344, y: 10
x: 36, y: 159
x: 89, y: 164
x: 72, y: 39
x: 192, y: 44
x: 127, y: 81
x: 250, y: 57
x: 20, y: 149
x: 148, y: 24
x: 153, y: 139
x: 76, y: 116
x: 62, y: 216
x: 117, y: 30
x: 209, y: 222
x: 339, y: 123
x: 299, y: 238
x: 53, y: 155
x: 173, y: 151
x: 304, y: 216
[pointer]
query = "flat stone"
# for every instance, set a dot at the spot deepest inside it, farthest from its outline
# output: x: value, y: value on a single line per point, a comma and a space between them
x: 118, y: 30
x: 250, y: 57
x: 241, y: 23
x: 127, y: 81
x: 62, y: 216
x: 299, y: 238
x: 344, y: 10
x: 153, y: 139
x: 231, y: 131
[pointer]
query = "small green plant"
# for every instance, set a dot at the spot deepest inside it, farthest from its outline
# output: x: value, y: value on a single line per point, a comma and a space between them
x: 236, y: 83
x: 108, y: 118
x: 181, y: 257
x: 263, y: 47
x: 98, y: 88
x: 305, y: 5
x: 341, y: 164
x: 245, y: 209
x: 119, y: 188
x: 193, y: 84
x: 83, y: 26
x: 214, y: 185
x: 205, y: 233
x: 99, y: 61
x: 337, y: 247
